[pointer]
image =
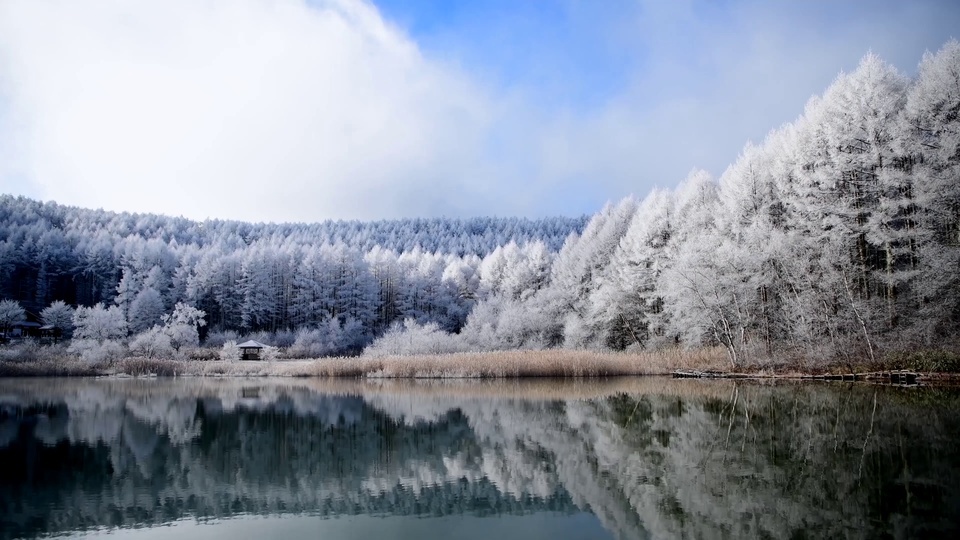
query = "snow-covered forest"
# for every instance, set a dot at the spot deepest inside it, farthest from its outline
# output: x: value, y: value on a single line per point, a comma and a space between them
x: 358, y: 277
x: 839, y: 233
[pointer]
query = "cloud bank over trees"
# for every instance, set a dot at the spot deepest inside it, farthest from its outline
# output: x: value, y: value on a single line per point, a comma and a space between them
x: 285, y: 110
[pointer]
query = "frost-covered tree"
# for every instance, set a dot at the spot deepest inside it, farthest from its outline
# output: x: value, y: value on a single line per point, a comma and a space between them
x: 752, y: 250
x: 931, y: 150
x: 176, y: 331
x: 153, y: 343
x: 158, y: 279
x: 411, y: 337
x: 421, y: 295
x: 845, y: 209
x: 385, y: 272
x: 213, y: 287
x: 525, y: 270
x: 697, y: 309
x: 462, y: 283
x: 10, y: 313
x: 99, y: 323
x: 182, y: 326
x: 839, y: 234
x: 575, y: 271
x: 312, y: 291
x: 145, y: 310
x: 98, y: 332
x: 230, y: 352
x: 354, y: 291
x: 491, y: 271
x: 58, y: 315
x: 262, y: 287
x: 873, y: 196
x: 627, y: 305
x: 127, y: 290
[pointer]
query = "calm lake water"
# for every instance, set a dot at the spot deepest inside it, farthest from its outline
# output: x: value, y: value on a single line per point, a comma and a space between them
x: 625, y: 458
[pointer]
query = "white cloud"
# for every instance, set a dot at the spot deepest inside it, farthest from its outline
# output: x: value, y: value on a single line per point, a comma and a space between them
x: 264, y: 109
x: 286, y: 110
x: 709, y: 77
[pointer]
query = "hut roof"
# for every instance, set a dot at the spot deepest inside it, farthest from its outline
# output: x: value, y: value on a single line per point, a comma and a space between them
x: 26, y: 324
x: 251, y: 344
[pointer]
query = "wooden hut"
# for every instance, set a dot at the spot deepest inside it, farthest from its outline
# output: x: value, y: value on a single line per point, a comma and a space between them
x: 250, y: 350
x: 50, y: 332
x: 22, y: 329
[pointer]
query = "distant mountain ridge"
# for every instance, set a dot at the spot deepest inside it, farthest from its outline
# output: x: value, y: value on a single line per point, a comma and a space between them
x: 456, y: 236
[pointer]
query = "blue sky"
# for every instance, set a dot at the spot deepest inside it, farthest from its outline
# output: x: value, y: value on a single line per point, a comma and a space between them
x: 285, y: 110
x: 569, y: 51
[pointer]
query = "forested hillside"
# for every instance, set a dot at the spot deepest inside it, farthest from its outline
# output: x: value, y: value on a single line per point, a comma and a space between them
x: 838, y: 234
x: 256, y: 277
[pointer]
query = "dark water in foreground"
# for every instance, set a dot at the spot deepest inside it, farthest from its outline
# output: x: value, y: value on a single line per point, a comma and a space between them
x: 629, y: 458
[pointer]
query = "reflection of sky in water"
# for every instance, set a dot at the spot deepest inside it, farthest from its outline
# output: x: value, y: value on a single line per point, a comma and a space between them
x: 542, y: 526
x: 658, y: 459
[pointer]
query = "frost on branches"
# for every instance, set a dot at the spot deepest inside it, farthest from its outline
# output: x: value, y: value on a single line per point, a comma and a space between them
x: 838, y: 235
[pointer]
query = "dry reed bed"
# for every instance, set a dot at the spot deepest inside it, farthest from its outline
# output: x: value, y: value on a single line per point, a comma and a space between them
x: 531, y: 388
x: 507, y: 364
x: 548, y: 363
x: 50, y: 367
x: 495, y: 365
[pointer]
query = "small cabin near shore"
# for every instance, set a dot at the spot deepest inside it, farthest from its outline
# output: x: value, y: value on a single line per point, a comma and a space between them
x: 22, y: 329
x: 51, y: 333
x: 250, y: 350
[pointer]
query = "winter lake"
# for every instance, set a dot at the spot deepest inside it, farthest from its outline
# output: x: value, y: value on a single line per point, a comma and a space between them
x: 620, y: 458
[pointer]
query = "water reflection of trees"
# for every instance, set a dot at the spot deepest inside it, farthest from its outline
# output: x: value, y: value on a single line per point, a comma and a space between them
x: 676, y: 460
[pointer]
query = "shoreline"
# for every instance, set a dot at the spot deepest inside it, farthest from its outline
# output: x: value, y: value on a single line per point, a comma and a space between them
x: 900, y: 377
x: 535, y: 389
x: 707, y: 363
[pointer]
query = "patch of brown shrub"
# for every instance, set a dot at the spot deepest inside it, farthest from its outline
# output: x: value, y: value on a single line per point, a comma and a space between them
x: 50, y: 367
x: 549, y: 363
x: 142, y: 366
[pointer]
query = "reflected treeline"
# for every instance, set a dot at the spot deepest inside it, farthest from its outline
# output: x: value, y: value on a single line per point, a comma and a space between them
x: 650, y: 458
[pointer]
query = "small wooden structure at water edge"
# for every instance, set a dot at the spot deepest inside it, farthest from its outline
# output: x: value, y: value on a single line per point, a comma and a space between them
x: 250, y: 350
x: 50, y: 332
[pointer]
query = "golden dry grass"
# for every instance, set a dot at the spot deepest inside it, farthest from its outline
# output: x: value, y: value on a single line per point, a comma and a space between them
x: 506, y: 364
x: 494, y: 365
x: 548, y: 363
x: 49, y: 367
